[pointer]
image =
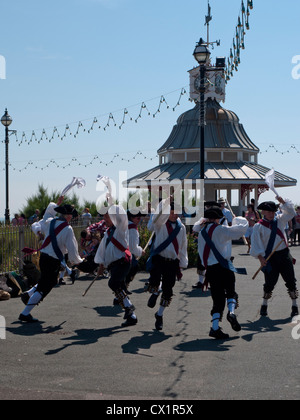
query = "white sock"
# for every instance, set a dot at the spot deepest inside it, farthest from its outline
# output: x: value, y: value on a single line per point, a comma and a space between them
x: 32, y: 291
x: 215, y: 321
x: 265, y: 302
x: 294, y: 302
x: 201, y: 279
x: 33, y: 301
x: 127, y: 302
x: 231, y: 304
x: 161, y: 311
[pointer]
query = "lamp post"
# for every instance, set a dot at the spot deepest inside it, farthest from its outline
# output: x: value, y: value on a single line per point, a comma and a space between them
x: 201, y: 55
x: 6, y: 120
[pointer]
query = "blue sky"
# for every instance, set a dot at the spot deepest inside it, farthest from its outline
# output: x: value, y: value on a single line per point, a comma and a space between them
x: 73, y: 60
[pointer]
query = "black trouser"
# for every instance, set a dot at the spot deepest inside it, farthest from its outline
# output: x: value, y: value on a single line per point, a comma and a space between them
x: 132, y: 273
x: 281, y: 263
x: 50, y: 268
x: 89, y: 265
x: 165, y: 271
x: 222, y: 286
x: 200, y: 266
x: 118, y: 272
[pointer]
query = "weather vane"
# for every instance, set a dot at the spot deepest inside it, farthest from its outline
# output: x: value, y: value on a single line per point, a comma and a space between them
x: 208, y: 18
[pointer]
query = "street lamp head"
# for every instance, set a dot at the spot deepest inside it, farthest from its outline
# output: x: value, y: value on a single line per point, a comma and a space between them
x: 6, y: 119
x: 201, y: 52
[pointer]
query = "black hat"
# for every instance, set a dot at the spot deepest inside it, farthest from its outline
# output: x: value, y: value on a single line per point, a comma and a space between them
x: 213, y: 213
x: 135, y: 212
x: 67, y: 209
x: 267, y: 206
x: 211, y: 203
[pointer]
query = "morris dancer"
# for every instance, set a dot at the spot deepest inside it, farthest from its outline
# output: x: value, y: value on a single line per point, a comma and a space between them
x: 134, y: 218
x: 267, y: 234
x: 214, y: 246
x: 196, y: 229
x: 113, y: 253
x: 59, y: 240
x: 167, y: 256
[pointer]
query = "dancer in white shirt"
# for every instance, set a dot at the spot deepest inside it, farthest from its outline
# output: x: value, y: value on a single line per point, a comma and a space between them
x: 267, y: 234
x: 214, y: 246
x: 113, y: 253
x: 167, y: 256
x: 59, y: 240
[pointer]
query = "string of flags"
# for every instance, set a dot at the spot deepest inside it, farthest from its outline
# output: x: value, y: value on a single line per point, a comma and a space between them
x: 89, y: 125
x: 77, y: 161
x: 238, y: 44
x: 271, y: 147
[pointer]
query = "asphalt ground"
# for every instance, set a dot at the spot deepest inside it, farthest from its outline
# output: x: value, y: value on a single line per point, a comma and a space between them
x: 78, y: 350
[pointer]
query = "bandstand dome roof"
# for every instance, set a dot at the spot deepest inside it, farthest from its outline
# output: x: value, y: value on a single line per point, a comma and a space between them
x: 223, y: 130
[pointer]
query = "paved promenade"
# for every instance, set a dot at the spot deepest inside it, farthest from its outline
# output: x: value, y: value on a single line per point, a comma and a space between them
x: 79, y: 351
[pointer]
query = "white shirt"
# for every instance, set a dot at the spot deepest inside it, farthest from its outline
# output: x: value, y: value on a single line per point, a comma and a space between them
x: 261, y: 234
x: 134, y: 241
x: 222, y: 238
x: 66, y: 239
x: 108, y: 254
x: 161, y: 234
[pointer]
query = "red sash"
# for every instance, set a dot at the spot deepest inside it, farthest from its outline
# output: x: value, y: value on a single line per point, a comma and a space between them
x: 267, y: 224
x: 117, y: 244
x: 175, y: 242
x: 176, y: 247
x: 47, y: 241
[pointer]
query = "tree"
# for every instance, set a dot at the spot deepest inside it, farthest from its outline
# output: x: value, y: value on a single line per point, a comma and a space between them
x: 42, y: 198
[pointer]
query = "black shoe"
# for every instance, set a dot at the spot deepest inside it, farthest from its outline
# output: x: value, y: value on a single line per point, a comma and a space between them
x: 152, y: 300
x: 74, y: 275
x: 25, y: 298
x: 231, y: 318
x: 129, y: 312
x: 264, y: 310
x: 295, y: 311
x: 62, y: 282
x: 129, y: 322
x: 27, y: 318
x: 218, y: 334
x: 116, y: 302
x: 198, y: 285
x: 159, y: 322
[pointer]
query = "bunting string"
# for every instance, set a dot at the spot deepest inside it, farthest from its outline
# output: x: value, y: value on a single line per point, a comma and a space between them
x: 238, y: 44
x: 273, y: 148
x: 78, y: 161
x: 38, y: 136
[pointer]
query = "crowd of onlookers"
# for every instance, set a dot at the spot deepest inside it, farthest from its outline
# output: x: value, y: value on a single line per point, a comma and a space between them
x: 21, y: 220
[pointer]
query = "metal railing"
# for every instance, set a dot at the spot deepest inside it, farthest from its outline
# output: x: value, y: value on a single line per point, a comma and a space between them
x: 13, y: 239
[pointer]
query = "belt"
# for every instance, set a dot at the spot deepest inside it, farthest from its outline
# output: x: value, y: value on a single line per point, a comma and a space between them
x: 117, y: 262
x: 168, y: 259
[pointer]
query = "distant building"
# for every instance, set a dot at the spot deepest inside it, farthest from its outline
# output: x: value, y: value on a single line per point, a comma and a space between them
x: 231, y: 158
